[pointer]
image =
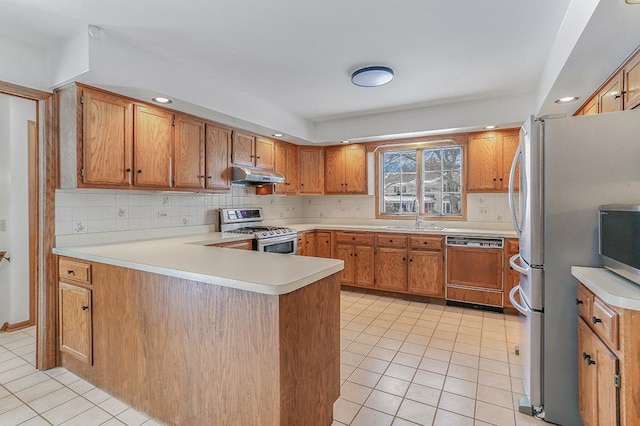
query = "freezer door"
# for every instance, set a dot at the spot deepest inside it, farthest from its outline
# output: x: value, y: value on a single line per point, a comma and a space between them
x: 531, y: 323
x: 531, y: 234
x: 531, y: 282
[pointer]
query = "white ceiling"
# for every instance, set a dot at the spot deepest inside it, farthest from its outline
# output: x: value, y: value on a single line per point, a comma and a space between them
x: 298, y: 55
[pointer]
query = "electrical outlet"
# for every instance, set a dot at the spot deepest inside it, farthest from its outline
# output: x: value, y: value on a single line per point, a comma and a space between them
x: 484, y: 211
x: 163, y: 215
x: 3, y: 225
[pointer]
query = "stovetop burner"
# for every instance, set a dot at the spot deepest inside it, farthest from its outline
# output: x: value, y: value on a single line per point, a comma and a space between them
x: 248, y: 221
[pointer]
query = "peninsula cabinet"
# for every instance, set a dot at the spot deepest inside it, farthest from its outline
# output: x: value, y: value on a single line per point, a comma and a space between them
x: 252, y: 151
x: 75, y: 309
x: 286, y: 164
x: 356, y: 250
x: 345, y: 170
x: 489, y: 158
x: 310, y: 170
x: 426, y: 266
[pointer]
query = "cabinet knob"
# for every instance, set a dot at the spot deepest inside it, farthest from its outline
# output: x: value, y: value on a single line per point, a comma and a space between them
x: 71, y: 272
x: 209, y: 177
x: 411, y: 260
x: 596, y: 320
x: 579, y: 302
x: 494, y: 179
x: 139, y: 170
x: 404, y: 258
x: 85, y: 307
x: 128, y: 170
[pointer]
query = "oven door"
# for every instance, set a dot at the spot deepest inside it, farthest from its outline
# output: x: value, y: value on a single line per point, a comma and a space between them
x: 285, y: 244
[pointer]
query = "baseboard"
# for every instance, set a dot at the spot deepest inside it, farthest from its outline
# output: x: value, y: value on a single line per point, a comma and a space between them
x: 16, y: 326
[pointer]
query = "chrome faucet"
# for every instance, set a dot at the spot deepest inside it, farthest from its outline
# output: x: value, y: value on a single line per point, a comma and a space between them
x: 417, y: 210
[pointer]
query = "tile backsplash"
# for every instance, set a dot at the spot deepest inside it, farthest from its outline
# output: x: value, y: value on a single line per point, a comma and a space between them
x: 87, y: 211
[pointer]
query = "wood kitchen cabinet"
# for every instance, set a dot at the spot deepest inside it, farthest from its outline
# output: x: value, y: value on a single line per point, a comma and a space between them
x: 590, y: 108
x: 107, y: 142
x: 511, y: 276
x: 217, y: 157
x: 610, y: 96
x: 356, y: 250
x: 631, y: 82
x: 391, y: 262
x: 252, y: 151
x: 345, y: 170
x: 188, y: 153
x: 286, y: 164
x: 75, y: 309
x: 317, y: 243
x: 310, y: 170
x: 426, y: 266
x: 489, y: 159
x: 152, y: 133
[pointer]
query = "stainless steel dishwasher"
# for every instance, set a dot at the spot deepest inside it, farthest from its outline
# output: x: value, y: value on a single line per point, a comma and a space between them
x: 474, y: 270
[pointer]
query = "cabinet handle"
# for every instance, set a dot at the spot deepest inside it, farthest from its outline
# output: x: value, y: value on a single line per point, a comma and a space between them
x: 128, y: 170
x: 494, y: 179
x: 588, y: 358
x: 71, y: 272
x: 596, y: 320
x: 85, y: 307
x: 209, y: 177
x: 500, y: 179
x: 579, y: 302
x: 404, y: 258
x: 139, y: 170
x: 258, y: 157
x: 411, y: 260
x: 619, y: 95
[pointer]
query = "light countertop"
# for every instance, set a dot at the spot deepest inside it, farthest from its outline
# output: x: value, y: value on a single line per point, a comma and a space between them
x: 610, y: 287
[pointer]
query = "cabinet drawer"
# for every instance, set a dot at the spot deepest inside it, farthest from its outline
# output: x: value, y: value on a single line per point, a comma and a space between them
x: 512, y: 246
x: 428, y: 243
x: 490, y: 298
x: 75, y: 271
x: 605, y: 322
x: 391, y: 240
x: 584, y: 300
x: 354, y: 238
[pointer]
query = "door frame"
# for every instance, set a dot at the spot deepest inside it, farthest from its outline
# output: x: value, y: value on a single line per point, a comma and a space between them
x: 47, y: 178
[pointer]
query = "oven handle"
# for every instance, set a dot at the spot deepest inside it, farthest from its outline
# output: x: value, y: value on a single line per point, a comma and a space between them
x: 276, y: 240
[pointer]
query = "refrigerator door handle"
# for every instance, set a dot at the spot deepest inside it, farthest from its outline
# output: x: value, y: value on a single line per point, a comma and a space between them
x: 512, y: 193
x: 516, y: 266
x: 512, y: 297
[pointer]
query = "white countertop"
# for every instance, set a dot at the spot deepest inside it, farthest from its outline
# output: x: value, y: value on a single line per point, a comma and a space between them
x: 610, y: 287
x: 190, y: 258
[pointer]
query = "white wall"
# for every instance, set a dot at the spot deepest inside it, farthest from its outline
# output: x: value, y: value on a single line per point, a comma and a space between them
x: 22, y: 64
x: 14, y: 192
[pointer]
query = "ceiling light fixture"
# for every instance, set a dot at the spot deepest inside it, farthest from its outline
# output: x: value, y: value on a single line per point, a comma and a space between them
x: 277, y: 135
x: 489, y: 127
x: 633, y: 1
x: 162, y: 100
x: 372, y: 76
x: 346, y: 141
x: 567, y: 99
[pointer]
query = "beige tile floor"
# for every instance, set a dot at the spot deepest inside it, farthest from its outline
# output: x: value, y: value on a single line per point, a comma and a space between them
x: 403, y: 363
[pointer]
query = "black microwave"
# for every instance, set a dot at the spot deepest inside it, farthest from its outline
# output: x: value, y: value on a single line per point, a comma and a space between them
x: 619, y: 239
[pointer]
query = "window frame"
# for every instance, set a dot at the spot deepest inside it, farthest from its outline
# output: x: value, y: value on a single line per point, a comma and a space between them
x: 418, y: 147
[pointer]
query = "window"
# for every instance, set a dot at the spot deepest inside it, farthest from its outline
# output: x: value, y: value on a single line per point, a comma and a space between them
x: 431, y: 174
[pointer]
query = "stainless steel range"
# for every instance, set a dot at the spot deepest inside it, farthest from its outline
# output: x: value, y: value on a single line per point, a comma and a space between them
x: 271, y: 239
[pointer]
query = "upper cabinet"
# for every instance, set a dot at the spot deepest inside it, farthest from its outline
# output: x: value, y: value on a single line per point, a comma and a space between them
x: 252, y: 151
x: 310, y: 170
x: 107, y: 142
x: 286, y: 164
x: 620, y: 92
x: 345, y: 169
x: 490, y: 155
x: 110, y: 141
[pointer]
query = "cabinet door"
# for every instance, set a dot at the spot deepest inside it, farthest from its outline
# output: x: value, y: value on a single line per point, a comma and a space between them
x: 345, y: 253
x: 188, y: 153
x: 608, y: 393
x: 280, y: 166
x: 152, y: 147
x: 591, y: 107
x: 75, y: 321
x: 310, y: 244
x: 355, y: 169
x: 587, y: 377
x: 391, y: 269
x: 611, y: 95
x: 484, y: 162
x: 242, y: 151
x: 300, y: 250
x: 264, y: 153
x: 291, y: 173
x: 323, y: 244
x: 311, y: 170
x: 334, y: 170
x: 107, y: 139
x: 426, y: 273
x: 364, y: 261
x: 631, y: 74
x: 217, y: 149
x: 474, y: 267
x: 510, y: 143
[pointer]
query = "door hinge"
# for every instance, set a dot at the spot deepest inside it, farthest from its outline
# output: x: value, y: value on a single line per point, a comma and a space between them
x: 173, y: 122
x: 616, y: 380
x: 82, y: 99
x: 82, y: 172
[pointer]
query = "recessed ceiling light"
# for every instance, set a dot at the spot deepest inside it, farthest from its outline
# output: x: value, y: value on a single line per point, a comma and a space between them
x: 489, y: 127
x: 162, y: 100
x: 633, y: 1
x: 567, y: 99
x: 345, y: 141
x: 372, y: 76
x: 277, y: 135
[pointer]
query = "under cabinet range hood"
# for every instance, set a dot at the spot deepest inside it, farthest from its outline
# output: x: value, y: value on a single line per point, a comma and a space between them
x: 249, y: 176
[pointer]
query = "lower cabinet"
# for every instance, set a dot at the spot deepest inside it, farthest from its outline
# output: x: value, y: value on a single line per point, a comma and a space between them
x: 74, y: 307
x: 391, y: 269
x: 239, y: 245
x: 426, y: 275
x: 314, y: 243
x: 511, y: 276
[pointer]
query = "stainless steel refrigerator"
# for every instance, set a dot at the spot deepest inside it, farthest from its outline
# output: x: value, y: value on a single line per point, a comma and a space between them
x: 568, y: 167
